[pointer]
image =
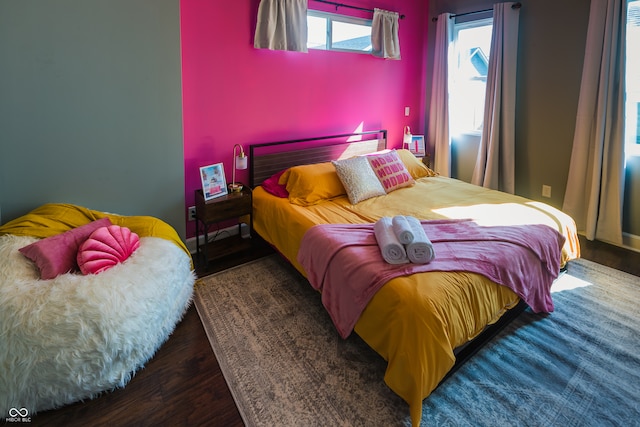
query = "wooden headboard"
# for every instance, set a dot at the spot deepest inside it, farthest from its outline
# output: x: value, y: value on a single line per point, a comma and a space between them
x: 272, y: 157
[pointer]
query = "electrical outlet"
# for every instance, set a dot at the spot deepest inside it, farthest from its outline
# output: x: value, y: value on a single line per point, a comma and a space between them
x: 192, y: 213
x: 546, y: 191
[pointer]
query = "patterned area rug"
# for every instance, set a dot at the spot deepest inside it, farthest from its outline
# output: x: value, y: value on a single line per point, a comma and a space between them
x: 286, y: 365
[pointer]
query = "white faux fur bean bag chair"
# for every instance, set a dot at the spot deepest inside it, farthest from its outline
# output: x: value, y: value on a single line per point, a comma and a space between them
x: 74, y: 336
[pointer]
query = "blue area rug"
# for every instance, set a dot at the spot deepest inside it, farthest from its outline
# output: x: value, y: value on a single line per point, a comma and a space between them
x: 286, y: 365
x: 579, y: 366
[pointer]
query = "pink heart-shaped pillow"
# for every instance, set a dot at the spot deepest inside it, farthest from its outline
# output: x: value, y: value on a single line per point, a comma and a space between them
x: 106, y: 247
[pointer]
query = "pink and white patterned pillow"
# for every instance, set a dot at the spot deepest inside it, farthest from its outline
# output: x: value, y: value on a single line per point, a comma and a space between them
x: 106, y: 247
x: 390, y: 170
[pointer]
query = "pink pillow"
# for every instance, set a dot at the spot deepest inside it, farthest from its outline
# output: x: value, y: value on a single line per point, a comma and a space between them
x: 106, y: 247
x: 271, y: 185
x: 390, y: 170
x: 56, y: 255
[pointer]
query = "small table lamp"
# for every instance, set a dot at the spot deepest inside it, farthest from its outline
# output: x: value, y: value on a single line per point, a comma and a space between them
x: 239, y: 162
x: 407, y: 138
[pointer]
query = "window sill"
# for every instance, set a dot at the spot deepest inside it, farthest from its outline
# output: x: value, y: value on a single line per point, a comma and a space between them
x: 632, y: 150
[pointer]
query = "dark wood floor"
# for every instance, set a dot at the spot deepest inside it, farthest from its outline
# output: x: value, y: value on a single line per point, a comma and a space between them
x: 183, y: 386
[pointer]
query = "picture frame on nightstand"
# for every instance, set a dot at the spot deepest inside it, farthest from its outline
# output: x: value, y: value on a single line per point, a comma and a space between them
x: 417, y: 145
x: 213, y: 181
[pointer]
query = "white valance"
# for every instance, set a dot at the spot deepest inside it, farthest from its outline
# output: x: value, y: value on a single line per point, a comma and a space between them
x: 282, y: 25
x: 384, y: 34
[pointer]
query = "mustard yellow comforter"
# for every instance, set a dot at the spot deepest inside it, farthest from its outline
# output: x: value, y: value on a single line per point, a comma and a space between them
x: 55, y: 218
x: 416, y: 322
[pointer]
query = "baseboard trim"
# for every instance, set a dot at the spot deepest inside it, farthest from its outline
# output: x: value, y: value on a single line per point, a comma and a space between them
x: 631, y: 241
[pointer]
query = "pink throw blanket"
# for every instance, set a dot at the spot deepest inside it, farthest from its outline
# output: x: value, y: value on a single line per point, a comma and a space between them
x: 344, y: 262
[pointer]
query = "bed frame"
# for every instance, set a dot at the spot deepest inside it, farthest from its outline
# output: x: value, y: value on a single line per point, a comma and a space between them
x: 269, y: 158
x: 272, y: 157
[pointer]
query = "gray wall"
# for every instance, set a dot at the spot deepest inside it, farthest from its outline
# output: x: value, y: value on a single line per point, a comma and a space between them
x: 90, y: 107
x: 550, y: 57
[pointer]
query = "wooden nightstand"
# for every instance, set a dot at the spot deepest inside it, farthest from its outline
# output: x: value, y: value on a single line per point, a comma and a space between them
x: 224, y: 208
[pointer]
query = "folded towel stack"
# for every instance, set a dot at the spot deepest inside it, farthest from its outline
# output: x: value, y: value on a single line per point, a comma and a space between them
x: 402, y: 239
x: 392, y: 250
x: 420, y: 250
x: 402, y: 228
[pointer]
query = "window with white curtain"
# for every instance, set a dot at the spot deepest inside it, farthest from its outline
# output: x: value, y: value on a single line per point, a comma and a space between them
x: 632, y: 85
x: 468, y: 75
x: 330, y: 31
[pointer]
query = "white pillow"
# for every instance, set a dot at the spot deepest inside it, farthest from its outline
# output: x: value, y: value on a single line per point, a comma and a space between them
x: 358, y: 179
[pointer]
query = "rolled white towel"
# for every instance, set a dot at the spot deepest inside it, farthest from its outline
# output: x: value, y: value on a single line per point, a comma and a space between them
x: 392, y: 250
x: 420, y: 251
x: 402, y: 228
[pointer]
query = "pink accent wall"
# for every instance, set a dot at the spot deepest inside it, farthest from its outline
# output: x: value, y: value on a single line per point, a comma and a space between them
x: 234, y: 93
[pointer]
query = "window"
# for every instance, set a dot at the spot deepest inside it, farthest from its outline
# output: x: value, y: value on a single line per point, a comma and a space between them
x: 632, y: 84
x: 336, y: 32
x: 468, y: 75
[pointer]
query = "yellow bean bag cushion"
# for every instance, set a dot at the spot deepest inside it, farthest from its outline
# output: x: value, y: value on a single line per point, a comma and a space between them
x: 75, y: 336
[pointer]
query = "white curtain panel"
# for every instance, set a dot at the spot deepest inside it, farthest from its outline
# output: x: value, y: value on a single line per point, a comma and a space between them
x: 384, y: 34
x: 595, y: 186
x: 282, y: 25
x: 495, y: 165
x: 439, y: 135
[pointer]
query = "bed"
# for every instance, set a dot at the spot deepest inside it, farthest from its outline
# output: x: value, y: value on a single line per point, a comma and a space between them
x: 422, y: 323
x: 66, y: 335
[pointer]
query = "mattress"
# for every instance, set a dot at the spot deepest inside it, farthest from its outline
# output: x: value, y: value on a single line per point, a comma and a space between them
x: 416, y: 322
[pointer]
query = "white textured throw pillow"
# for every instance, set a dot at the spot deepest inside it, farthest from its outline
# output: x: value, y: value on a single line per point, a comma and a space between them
x: 358, y: 179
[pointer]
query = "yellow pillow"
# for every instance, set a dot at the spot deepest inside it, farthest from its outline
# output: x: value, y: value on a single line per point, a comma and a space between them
x: 310, y: 184
x: 416, y: 168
